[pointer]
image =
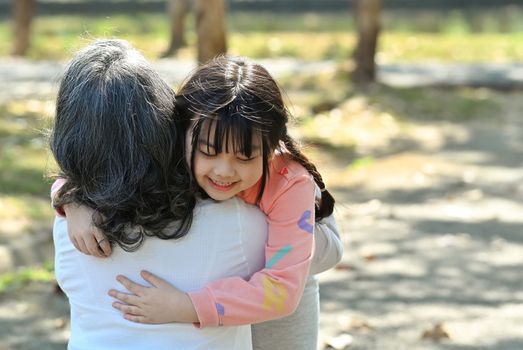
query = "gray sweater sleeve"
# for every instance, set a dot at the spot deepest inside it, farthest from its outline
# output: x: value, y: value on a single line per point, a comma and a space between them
x: 328, y: 248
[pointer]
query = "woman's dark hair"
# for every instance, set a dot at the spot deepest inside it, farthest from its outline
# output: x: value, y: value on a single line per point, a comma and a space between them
x: 117, y: 146
x: 242, y: 99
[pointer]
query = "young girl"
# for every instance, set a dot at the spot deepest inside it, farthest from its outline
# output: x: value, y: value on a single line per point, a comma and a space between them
x: 238, y: 145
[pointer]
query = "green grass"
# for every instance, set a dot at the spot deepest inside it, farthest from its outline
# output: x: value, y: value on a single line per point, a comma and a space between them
x: 426, y: 35
x: 361, y: 163
x: 11, y: 281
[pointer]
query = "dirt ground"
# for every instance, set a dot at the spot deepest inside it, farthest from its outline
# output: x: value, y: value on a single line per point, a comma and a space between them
x: 433, y: 237
x: 434, y: 243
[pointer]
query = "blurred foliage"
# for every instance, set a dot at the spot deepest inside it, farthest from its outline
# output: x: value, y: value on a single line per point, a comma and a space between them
x: 350, y: 127
x: 465, y: 36
x: 12, y: 281
x: 24, y: 161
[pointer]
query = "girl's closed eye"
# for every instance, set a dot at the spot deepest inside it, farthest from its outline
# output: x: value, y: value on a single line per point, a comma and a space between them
x: 254, y: 154
x: 207, y: 153
x: 207, y: 149
x: 242, y: 157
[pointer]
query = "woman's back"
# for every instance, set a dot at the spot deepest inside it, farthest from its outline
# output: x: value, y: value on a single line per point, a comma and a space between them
x: 225, y: 239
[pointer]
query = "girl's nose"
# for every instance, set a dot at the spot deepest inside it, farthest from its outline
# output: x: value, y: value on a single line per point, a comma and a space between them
x: 224, y: 169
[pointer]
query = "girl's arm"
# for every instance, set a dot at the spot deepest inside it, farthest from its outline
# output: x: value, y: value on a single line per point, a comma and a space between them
x: 83, y: 234
x: 275, y: 291
x: 271, y: 293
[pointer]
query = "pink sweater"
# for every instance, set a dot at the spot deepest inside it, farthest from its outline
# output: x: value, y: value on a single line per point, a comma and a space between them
x: 275, y: 291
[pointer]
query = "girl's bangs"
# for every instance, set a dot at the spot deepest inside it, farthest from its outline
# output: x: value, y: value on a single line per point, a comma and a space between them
x: 225, y: 129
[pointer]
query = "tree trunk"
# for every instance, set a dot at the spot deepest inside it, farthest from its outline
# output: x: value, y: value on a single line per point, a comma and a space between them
x: 177, y: 11
x: 210, y: 28
x: 367, y: 20
x: 22, y: 15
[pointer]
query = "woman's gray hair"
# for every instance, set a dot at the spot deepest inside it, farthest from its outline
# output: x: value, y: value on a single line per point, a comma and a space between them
x: 116, y: 144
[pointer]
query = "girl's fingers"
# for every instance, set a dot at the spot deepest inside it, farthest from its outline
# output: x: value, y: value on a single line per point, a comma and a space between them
x: 135, y: 318
x: 82, y: 247
x: 92, y: 245
x: 129, y: 299
x: 103, y: 244
x: 73, y: 241
x: 152, y: 279
x: 128, y: 309
x: 131, y: 286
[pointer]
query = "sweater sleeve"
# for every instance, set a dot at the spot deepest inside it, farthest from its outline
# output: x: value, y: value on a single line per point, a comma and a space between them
x: 55, y: 187
x: 275, y: 291
x: 328, y: 248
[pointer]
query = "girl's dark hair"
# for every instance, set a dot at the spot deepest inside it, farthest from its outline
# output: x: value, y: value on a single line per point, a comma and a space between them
x: 117, y: 146
x: 241, y: 99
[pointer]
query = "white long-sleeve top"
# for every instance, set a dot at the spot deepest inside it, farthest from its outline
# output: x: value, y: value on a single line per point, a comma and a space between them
x: 226, y: 239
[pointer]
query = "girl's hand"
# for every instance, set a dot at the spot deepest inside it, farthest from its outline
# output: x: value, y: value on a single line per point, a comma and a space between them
x: 159, y: 303
x: 83, y: 234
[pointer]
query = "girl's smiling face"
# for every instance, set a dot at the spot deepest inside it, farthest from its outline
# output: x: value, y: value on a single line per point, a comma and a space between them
x: 220, y: 171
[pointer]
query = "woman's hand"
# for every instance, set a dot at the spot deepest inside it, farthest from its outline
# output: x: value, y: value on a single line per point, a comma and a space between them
x: 159, y: 303
x: 83, y: 234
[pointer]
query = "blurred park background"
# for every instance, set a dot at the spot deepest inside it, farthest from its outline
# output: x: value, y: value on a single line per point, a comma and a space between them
x: 411, y: 110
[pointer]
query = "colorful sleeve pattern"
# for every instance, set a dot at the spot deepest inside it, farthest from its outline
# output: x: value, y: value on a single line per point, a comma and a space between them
x: 275, y: 291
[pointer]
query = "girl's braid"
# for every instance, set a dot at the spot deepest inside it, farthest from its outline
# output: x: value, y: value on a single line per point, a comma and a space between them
x: 326, y: 205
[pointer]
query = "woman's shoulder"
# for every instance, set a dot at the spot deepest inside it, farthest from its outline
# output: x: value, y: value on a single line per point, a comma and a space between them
x: 234, y: 205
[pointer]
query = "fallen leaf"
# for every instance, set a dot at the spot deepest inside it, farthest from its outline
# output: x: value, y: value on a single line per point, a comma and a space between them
x: 368, y: 256
x: 436, y: 333
x: 343, y: 267
x: 59, y: 323
x: 340, y: 342
x: 354, y: 324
